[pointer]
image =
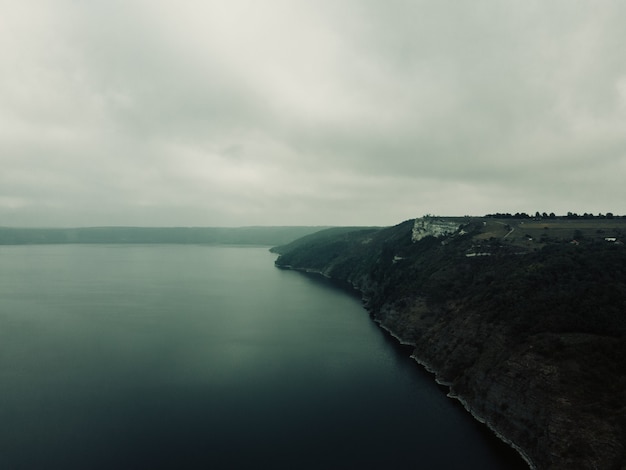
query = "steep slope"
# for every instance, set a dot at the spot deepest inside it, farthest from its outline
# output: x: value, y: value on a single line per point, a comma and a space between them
x: 532, y: 340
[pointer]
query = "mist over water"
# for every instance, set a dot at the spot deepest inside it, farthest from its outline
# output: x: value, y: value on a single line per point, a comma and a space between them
x: 176, y: 356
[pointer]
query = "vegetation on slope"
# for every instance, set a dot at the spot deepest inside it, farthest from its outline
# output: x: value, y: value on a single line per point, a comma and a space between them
x: 503, y: 314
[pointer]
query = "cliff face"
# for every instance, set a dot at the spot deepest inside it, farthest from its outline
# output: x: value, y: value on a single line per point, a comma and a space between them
x: 532, y: 344
x: 423, y: 228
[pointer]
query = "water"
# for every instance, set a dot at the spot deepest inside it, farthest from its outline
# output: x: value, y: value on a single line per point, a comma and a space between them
x: 175, y: 356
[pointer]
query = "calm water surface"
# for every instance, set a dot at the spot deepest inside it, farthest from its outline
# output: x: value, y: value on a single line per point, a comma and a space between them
x: 173, y: 356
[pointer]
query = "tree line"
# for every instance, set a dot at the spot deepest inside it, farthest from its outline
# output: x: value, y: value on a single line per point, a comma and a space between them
x: 544, y: 215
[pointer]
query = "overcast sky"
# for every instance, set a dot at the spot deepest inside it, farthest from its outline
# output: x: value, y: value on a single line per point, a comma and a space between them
x: 308, y: 112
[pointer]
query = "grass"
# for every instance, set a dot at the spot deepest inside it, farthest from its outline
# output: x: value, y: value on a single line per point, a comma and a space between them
x: 531, y: 234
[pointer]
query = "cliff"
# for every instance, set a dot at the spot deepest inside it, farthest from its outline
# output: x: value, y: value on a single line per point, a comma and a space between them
x: 530, y: 336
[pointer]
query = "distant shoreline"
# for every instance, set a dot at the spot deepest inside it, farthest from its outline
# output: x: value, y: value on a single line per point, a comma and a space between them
x: 266, y: 236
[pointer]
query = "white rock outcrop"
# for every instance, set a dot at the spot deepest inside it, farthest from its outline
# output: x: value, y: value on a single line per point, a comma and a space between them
x: 428, y: 226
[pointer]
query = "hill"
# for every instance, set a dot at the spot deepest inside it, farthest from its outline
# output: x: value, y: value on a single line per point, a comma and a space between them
x: 196, y: 235
x: 524, y: 320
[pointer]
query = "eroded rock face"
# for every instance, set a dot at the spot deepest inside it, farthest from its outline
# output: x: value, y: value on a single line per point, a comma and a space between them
x: 427, y: 226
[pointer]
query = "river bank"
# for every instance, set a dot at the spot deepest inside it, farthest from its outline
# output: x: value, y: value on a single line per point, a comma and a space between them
x: 534, y: 346
x: 397, y: 336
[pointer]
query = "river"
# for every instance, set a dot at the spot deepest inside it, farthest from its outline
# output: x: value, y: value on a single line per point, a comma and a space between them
x: 191, y: 356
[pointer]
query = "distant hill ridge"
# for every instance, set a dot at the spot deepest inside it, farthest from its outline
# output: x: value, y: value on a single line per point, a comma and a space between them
x: 258, y: 235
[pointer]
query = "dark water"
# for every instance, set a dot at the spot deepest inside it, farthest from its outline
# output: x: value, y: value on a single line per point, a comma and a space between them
x: 208, y: 357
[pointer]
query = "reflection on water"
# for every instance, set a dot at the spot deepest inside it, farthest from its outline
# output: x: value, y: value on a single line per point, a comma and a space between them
x: 203, y: 356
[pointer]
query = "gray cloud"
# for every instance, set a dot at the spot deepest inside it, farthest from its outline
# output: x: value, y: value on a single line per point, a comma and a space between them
x: 301, y: 112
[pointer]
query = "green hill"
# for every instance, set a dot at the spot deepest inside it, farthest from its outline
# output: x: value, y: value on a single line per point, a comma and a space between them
x: 527, y: 329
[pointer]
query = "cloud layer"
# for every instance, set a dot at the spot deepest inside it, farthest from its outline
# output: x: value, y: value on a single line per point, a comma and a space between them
x: 298, y: 112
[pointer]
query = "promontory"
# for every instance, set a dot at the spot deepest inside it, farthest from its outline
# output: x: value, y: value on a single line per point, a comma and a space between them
x: 523, y: 318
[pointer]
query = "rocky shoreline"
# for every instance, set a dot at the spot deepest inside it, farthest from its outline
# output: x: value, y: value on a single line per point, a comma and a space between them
x: 473, y: 413
x: 478, y: 417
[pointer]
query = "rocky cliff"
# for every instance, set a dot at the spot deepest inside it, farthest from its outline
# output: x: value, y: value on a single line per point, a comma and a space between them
x: 532, y: 340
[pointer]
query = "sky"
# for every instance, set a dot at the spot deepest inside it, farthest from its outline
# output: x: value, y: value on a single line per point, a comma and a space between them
x: 308, y: 112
